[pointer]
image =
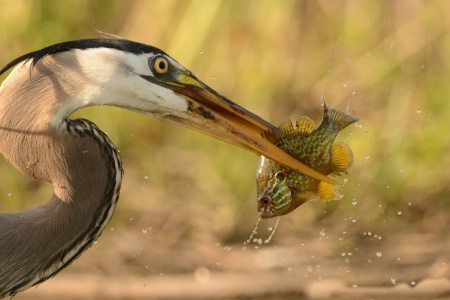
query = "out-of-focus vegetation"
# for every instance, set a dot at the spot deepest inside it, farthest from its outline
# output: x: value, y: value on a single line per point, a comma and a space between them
x: 386, y: 61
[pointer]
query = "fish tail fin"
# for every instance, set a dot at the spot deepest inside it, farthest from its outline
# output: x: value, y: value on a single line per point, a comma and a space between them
x: 340, y: 118
x: 305, y: 125
x: 341, y: 157
x: 328, y: 192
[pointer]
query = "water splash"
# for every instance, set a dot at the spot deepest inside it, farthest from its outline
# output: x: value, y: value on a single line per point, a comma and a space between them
x: 266, y: 241
x: 259, y: 241
x: 254, y: 232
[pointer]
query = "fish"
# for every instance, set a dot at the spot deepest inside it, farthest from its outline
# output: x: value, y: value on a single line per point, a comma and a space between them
x: 280, y: 190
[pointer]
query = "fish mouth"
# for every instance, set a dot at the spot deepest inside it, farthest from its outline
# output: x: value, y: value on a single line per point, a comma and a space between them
x: 266, y: 214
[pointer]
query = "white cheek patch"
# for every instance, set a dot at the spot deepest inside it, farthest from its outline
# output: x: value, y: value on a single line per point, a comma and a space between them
x: 111, y: 77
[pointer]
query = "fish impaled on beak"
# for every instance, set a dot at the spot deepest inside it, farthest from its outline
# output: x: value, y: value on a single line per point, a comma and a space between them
x: 280, y: 189
x: 217, y: 116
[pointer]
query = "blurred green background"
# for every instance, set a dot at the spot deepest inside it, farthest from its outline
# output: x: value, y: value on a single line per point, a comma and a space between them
x: 188, y: 202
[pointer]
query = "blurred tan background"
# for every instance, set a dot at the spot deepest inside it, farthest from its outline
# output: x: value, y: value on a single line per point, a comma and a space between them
x: 188, y: 203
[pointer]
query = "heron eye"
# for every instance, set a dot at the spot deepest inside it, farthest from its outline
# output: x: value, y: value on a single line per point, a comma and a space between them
x: 160, y: 65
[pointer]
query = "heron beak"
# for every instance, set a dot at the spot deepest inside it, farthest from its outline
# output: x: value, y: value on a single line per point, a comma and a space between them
x: 215, y: 115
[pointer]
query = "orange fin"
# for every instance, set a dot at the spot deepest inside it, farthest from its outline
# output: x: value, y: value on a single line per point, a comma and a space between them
x: 328, y: 192
x: 305, y: 125
x: 278, y: 133
x: 285, y: 128
x: 341, y: 157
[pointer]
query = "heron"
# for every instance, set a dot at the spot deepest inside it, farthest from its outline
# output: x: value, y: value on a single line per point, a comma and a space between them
x: 40, y: 139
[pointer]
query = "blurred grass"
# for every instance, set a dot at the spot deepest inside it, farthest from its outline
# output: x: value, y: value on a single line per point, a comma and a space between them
x: 386, y: 61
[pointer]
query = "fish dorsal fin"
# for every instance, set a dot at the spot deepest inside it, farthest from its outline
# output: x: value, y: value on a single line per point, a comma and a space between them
x: 278, y: 133
x: 281, y: 131
x: 305, y: 125
x: 341, y: 157
x: 286, y: 127
x: 328, y: 192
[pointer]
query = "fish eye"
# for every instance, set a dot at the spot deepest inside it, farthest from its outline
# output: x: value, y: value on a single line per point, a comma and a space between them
x: 159, y: 65
x: 266, y: 200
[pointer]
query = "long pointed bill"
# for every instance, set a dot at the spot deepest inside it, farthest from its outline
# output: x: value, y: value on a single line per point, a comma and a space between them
x: 217, y: 116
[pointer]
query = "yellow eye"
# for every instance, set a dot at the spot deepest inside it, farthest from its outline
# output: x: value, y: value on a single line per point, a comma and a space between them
x: 160, y: 65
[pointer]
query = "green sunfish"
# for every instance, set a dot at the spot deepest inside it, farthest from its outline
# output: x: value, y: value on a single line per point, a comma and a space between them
x: 280, y: 189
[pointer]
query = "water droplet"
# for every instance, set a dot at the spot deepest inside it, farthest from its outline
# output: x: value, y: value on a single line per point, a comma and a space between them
x: 413, y: 283
x: 322, y: 232
x: 309, y: 269
x: 214, y: 77
x: 399, y: 213
x: 200, y: 52
x: 401, y: 170
x: 145, y: 177
x: 344, y: 85
x: 218, y: 263
x: 393, y: 281
x: 227, y: 248
x: 354, y: 202
x: 379, y: 254
x: 418, y: 110
x: 355, y: 285
x: 9, y: 194
x: 347, y: 260
x: 112, y: 229
x: 144, y: 231
x: 270, y: 228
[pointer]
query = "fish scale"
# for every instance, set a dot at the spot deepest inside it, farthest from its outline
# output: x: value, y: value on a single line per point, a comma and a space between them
x: 281, y: 189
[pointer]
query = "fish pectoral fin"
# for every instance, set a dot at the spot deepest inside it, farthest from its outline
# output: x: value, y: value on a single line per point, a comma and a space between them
x: 328, y: 192
x: 302, y: 197
x: 305, y: 125
x: 341, y: 157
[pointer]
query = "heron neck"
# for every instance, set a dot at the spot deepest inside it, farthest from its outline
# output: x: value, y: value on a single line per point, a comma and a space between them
x: 86, y: 171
